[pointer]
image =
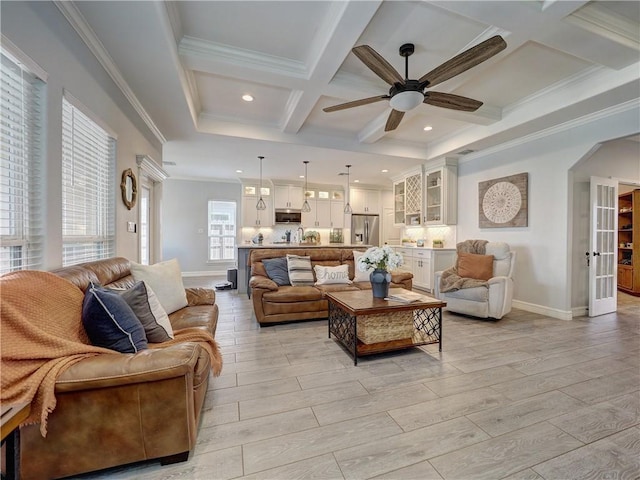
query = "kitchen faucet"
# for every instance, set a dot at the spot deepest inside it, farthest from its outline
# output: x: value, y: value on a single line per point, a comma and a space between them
x: 300, y: 234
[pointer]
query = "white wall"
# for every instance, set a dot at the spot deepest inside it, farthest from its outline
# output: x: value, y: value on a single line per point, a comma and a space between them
x: 42, y: 33
x: 617, y: 159
x: 184, y: 221
x: 543, y: 274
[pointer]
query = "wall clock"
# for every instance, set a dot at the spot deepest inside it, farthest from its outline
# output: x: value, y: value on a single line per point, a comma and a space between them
x: 503, y: 201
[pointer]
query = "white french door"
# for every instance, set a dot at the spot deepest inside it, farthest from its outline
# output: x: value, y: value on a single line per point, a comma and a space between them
x: 603, y: 254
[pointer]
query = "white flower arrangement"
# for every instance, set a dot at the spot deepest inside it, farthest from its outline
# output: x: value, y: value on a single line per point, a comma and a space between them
x: 381, y: 258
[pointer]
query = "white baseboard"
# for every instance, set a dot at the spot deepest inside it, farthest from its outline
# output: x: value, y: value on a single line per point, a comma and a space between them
x: 542, y: 310
x: 206, y: 273
x: 580, y: 311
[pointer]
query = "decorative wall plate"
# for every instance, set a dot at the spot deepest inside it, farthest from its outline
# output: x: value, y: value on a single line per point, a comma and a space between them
x: 503, y: 201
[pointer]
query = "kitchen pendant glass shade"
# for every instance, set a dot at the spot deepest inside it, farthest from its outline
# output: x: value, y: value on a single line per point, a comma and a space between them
x: 260, y: 205
x: 347, y: 207
x: 305, y: 206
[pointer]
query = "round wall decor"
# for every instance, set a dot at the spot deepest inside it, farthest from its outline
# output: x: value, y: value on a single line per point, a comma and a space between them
x: 503, y: 202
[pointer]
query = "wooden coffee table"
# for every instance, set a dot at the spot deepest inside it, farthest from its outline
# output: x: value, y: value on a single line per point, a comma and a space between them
x: 345, y: 308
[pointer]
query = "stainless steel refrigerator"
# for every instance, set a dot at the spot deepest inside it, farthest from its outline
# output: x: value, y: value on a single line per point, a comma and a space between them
x: 365, y: 229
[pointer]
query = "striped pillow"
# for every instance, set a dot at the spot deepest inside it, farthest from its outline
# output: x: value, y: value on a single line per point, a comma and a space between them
x: 300, y: 272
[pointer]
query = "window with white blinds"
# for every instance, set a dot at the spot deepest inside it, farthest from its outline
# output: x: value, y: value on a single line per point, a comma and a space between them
x: 21, y: 120
x: 88, y: 199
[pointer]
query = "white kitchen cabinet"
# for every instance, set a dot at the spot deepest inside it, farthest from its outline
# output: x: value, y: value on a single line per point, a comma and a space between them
x: 424, y: 263
x: 413, y: 200
x: 398, y: 203
x: 324, y: 214
x: 288, y: 196
x: 441, y: 193
x: 364, y: 201
x: 251, y: 217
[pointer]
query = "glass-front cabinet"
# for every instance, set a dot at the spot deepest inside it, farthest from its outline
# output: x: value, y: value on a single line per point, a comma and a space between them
x: 398, y: 203
x: 441, y: 196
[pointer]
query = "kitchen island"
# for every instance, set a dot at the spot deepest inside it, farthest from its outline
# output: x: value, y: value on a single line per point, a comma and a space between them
x: 244, y: 269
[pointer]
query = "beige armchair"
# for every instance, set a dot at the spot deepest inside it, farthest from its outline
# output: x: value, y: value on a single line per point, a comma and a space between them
x: 492, y: 300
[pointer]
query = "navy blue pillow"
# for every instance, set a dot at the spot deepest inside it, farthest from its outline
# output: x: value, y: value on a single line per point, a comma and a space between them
x: 110, y: 322
x: 277, y: 270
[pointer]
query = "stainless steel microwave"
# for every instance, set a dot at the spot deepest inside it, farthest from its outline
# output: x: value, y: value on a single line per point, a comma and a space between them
x: 288, y: 215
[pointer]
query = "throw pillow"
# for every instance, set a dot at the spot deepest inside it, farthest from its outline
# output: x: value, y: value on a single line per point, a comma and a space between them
x: 472, y: 265
x: 327, y: 275
x: 300, y: 272
x: 147, y: 308
x: 360, y: 276
x: 277, y: 270
x: 165, y: 279
x: 110, y: 322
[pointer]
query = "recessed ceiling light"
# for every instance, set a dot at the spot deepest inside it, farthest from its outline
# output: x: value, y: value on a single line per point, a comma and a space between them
x: 247, y: 98
x: 238, y: 171
x: 356, y: 181
x: 385, y: 171
x: 301, y: 176
x: 428, y: 128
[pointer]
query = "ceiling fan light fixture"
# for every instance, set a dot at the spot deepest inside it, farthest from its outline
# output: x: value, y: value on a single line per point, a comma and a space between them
x: 406, y: 101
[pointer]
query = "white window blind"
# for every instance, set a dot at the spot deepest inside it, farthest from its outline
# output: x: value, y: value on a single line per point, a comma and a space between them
x: 222, y: 230
x: 21, y: 120
x: 88, y: 186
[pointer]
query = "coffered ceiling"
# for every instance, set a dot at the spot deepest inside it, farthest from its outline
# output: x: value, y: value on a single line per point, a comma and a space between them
x: 186, y: 65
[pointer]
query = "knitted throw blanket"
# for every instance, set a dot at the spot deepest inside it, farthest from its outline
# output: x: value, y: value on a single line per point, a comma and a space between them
x: 42, y: 335
x: 450, y: 280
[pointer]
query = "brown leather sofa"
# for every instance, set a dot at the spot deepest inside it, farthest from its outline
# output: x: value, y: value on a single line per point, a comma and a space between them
x: 275, y: 304
x: 114, y: 409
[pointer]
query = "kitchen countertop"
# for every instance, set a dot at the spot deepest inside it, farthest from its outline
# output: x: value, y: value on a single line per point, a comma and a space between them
x: 299, y: 245
x: 422, y: 248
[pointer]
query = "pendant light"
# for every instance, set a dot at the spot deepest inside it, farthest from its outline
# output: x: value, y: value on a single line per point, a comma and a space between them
x: 261, y: 205
x: 305, y: 206
x: 347, y: 207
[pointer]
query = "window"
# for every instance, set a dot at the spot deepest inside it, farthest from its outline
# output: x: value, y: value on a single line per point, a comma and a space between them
x: 21, y: 223
x: 88, y: 188
x: 222, y: 230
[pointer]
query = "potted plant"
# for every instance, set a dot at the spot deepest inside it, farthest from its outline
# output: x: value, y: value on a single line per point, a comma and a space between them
x: 382, y: 259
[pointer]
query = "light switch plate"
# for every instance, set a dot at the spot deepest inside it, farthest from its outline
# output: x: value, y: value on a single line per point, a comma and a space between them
x: 131, y: 227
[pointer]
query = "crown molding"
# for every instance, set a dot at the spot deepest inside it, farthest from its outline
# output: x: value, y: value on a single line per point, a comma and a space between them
x: 151, y: 168
x: 89, y: 37
x: 578, y: 122
x: 218, y: 52
x: 600, y: 20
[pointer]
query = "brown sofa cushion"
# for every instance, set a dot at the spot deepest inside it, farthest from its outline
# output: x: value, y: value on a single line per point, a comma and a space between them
x: 471, y: 265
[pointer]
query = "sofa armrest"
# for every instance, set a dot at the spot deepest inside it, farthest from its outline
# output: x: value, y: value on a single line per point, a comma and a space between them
x: 258, y: 281
x: 200, y: 296
x: 399, y: 276
x: 110, y: 370
x: 497, y: 280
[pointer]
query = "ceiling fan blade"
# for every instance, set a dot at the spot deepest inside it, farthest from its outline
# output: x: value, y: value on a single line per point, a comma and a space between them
x: 377, y: 64
x: 464, y: 61
x: 449, y: 100
x: 394, y: 120
x: 355, y: 103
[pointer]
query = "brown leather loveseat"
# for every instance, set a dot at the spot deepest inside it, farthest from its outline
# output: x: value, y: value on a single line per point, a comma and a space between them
x: 114, y: 409
x: 285, y: 303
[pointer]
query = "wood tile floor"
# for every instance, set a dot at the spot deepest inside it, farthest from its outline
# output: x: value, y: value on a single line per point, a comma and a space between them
x: 526, y: 397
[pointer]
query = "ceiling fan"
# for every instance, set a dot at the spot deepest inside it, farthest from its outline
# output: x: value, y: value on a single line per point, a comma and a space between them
x: 406, y: 94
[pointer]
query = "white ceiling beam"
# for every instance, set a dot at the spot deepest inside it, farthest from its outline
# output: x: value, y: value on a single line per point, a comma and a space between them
x: 344, y: 25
